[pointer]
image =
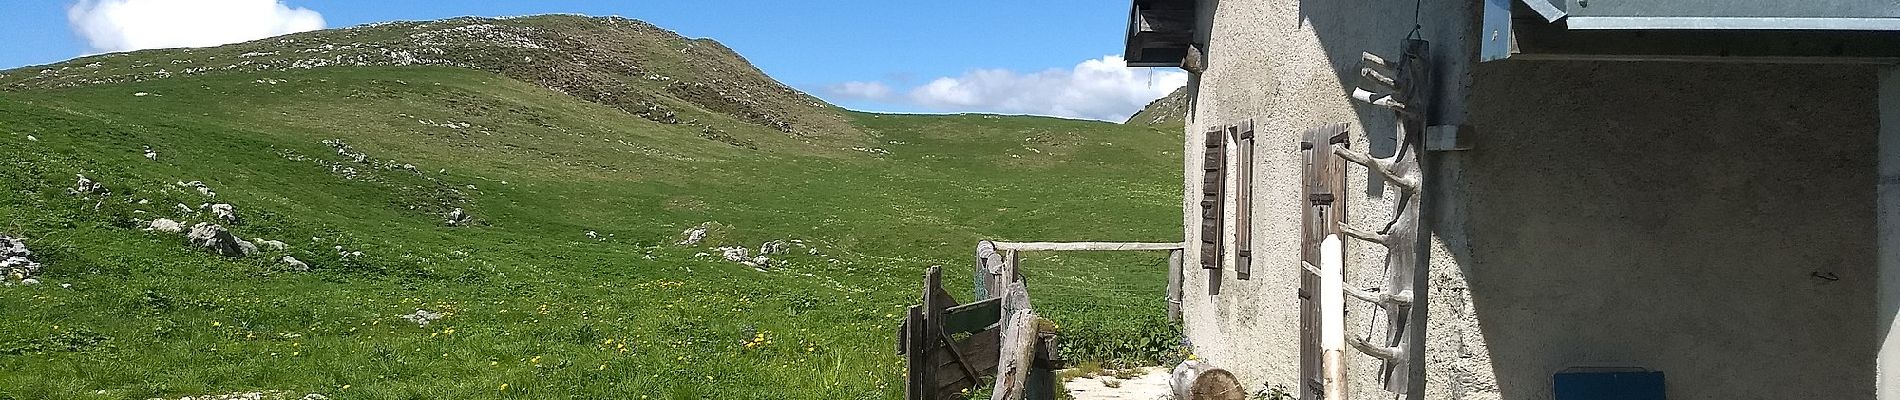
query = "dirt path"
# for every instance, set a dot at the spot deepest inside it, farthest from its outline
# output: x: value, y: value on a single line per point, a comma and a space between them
x: 1152, y: 384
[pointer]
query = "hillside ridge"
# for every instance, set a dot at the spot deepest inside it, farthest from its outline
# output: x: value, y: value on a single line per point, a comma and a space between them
x: 623, y: 63
x: 1167, y: 110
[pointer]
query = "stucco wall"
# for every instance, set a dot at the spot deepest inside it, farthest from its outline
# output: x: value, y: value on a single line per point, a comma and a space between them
x: 1289, y: 65
x: 1673, y: 216
x: 1662, y: 215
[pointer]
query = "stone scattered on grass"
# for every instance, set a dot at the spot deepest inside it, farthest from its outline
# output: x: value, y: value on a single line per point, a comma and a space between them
x: 217, y: 239
x: 695, y: 235
x: 150, y: 155
x: 200, y: 186
x: 774, y: 247
x: 87, y: 186
x: 16, y: 262
x: 263, y: 395
x: 733, y: 253
x: 166, y: 226
x: 184, y: 209
x: 456, y: 217
x: 224, y: 212
x: 422, y: 317
x: 295, y: 265
x: 270, y: 244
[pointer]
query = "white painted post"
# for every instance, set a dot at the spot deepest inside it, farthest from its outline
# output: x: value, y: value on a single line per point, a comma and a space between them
x: 1887, y: 236
x: 1332, y: 317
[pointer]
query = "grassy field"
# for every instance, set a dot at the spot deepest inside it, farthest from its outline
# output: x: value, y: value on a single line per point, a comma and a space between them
x: 535, y: 309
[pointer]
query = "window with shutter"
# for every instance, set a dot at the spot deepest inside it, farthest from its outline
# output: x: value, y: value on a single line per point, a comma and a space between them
x: 1213, y: 184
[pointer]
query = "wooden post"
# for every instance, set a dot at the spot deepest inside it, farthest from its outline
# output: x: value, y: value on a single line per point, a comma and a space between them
x: 931, y: 327
x: 1042, y: 378
x: 1174, y: 285
x: 1019, y: 351
x: 1332, y: 305
x: 989, y: 268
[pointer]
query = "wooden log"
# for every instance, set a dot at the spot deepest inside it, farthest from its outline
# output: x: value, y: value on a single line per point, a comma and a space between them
x: 1356, y: 233
x: 1017, y: 357
x: 1372, y: 74
x: 1386, y: 100
x: 1199, y: 380
x: 1085, y: 246
x: 1385, y: 167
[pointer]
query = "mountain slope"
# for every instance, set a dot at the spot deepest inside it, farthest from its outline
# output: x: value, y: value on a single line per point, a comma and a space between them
x: 1170, y: 110
x: 622, y: 63
x: 338, y: 161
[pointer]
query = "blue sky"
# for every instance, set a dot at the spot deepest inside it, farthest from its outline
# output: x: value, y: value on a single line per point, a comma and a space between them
x: 1043, y: 57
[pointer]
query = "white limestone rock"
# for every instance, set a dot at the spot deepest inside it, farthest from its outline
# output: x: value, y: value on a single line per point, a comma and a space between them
x: 166, y: 226
x: 219, y: 240
x: 294, y: 264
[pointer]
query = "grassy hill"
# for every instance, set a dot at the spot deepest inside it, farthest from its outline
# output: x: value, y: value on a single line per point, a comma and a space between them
x: 533, y: 307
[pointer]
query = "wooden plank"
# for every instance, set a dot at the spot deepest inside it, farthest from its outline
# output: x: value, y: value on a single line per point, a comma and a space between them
x: 918, y: 384
x: 926, y: 337
x: 1174, y: 285
x: 1243, y: 200
x: 1086, y: 246
x: 973, y: 317
x: 1553, y: 41
x: 980, y: 351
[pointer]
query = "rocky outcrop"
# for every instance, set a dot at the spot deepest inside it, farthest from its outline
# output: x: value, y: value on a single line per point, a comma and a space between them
x: 16, y: 262
x: 456, y: 217
x: 219, y: 240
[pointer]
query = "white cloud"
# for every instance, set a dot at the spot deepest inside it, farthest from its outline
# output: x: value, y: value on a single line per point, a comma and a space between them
x: 1103, y: 89
x: 120, y: 25
x: 856, y: 90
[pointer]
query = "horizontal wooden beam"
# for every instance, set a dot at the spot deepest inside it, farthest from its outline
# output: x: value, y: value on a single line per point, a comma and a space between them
x: 1536, y: 40
x: 1086, y: 246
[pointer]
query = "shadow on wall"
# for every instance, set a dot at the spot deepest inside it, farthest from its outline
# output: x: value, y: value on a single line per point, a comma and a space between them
x: 1345, y: 29
x: 1711, y: 221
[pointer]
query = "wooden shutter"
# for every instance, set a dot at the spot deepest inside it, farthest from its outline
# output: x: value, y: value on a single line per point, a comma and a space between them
x: 1213, y: 183
x: 1243, y: 200
x: 1323, y: 179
